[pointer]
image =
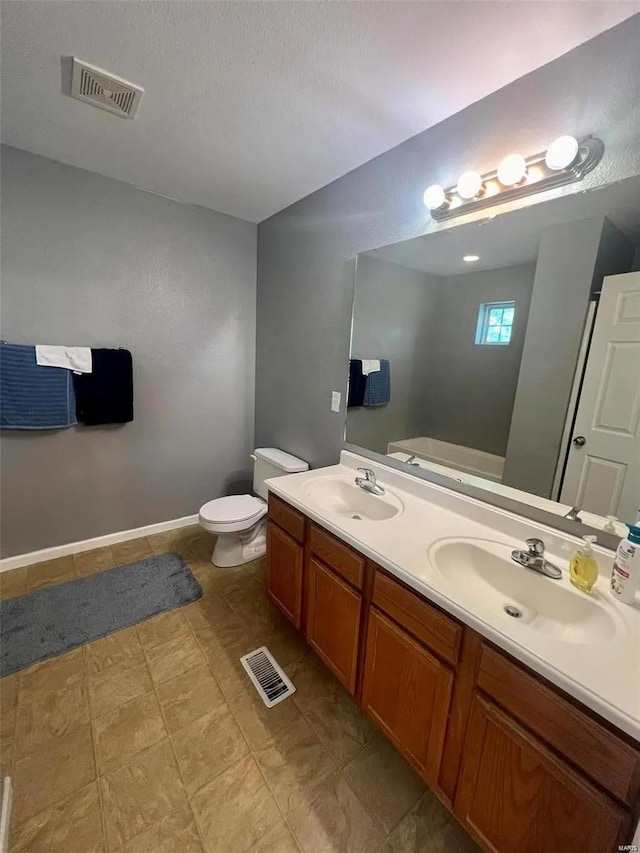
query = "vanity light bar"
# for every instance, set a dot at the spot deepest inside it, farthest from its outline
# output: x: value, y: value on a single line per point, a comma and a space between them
x: 566, y: 160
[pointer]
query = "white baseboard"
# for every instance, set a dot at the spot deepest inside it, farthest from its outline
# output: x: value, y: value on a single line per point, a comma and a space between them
x: 6, y: 793
x: 21, y: 560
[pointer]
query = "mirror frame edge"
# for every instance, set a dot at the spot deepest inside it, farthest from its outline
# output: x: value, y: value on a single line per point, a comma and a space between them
x: 531, y: 513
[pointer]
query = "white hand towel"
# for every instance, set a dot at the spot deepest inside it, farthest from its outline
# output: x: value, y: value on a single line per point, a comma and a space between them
x: 72, y: 358
x: 370, y: 365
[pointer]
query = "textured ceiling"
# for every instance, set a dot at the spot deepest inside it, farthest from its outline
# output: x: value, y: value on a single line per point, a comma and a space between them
x: 250, y: 106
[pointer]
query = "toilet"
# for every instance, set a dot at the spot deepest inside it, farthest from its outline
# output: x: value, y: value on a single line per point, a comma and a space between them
x: 239, y: 521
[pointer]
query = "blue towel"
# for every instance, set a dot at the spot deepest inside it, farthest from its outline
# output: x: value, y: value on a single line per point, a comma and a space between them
x: 378, y: 388
x: 31, y: 396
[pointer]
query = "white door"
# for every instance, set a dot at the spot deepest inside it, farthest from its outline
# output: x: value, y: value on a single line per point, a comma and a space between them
x: 603, y: 468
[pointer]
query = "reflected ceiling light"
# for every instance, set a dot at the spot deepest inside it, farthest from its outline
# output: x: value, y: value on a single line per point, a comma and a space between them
x: 512, y: 169
x: 567, y: 160
x: 434, y: 197
x: 469, y: 185
x: 562, y: 152
x: 470, y: 258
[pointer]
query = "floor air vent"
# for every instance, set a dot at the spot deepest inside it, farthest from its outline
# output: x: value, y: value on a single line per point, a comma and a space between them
x: 104, y: 90
x: 268, y: 678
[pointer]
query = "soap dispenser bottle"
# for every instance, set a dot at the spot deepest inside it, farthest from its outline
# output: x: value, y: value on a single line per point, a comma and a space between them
x: 583, y: 569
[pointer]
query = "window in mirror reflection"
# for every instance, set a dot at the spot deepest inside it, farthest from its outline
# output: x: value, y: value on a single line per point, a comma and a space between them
x: 495, y: 323
x: 492, y: 394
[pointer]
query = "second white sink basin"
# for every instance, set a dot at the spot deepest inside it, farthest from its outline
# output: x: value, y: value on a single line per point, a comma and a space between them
x: 342, y: 497
x: 484, y: 573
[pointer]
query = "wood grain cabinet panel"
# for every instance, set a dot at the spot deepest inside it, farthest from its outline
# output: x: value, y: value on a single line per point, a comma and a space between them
x: 516, y: 796
x: 407, y: 691
x: 342, y: 559
x: 285, y: 559
x: 333, y: 621
x: 440, y: 632
x: 603, y: 756
x: 287, y: 517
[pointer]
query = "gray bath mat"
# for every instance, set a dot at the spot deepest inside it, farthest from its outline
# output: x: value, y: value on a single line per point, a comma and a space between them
x: 53, y: 620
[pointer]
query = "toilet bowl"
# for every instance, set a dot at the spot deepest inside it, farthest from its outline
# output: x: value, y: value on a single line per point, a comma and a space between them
x: 239, y: 521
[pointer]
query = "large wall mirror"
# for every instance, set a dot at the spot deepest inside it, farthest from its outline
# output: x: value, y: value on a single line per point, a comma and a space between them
x: 505, y: 354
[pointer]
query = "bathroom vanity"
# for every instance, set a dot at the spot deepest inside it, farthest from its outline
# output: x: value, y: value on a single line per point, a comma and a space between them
x: 526, y: 726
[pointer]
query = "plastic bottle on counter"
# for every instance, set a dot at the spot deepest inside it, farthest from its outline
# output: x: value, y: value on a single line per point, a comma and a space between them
x: 583, y: 569
x: 625, y: 574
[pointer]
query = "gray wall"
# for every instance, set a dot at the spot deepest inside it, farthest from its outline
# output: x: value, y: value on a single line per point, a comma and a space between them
x: 615, y: 254
x: 443, y: 385
x: 393, y: 316
x: 306, y: 252
x: 471, y: 388
x: 561, y: 292
x: 90, y: 261
x: 573, y: 258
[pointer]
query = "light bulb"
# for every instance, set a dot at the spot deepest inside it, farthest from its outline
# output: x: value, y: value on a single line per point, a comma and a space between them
x: 469, y: 185
x: 512, y: 170
x: 470, y: 259
x: 434, y: 197
x: 562, y: 152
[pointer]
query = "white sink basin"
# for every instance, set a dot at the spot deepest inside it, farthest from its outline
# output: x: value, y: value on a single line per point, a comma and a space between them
x: 483, y: 572
x: 342, y: 497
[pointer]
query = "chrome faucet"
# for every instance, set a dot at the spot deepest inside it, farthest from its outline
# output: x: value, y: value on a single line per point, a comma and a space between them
x: 572, y: 515
x: 368, y: 482
x: 534, y: 559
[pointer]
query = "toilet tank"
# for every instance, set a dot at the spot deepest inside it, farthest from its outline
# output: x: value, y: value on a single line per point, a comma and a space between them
x: 271, y: 462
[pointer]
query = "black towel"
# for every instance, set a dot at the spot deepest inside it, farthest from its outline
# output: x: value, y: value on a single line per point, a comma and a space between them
x: 357, y: 383
x: 105, y: 396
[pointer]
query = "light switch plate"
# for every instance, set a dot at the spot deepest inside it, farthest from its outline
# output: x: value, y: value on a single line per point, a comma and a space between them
x: 335, y: 401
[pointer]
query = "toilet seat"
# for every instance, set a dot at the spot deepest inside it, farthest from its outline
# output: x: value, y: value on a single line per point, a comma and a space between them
x: 239, y: 522
x: 232, y: 513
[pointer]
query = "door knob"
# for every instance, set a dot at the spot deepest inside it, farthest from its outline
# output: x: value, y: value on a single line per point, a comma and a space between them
x: 579, y: 441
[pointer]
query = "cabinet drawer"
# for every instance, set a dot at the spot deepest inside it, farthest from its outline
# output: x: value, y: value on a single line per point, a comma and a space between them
x: 286, y: 517
x: 342, y: 559
x: 599, y: 753
x: 437, y: 631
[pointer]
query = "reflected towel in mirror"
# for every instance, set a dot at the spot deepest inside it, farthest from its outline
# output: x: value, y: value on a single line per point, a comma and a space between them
x: 370, y: 365
x: 357, y: 384
x: 378, y: 386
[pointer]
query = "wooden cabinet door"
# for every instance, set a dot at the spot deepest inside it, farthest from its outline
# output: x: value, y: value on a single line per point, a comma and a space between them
x: 284, y: 572
x: 333, y: 621
x: 515, y: 796
x: 407, y: 691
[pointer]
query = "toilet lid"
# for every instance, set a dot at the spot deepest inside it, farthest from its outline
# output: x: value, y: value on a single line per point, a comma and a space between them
x: 232, y: 509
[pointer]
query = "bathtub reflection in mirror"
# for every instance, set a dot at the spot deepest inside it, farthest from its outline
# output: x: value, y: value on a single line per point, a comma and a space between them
x: 518, y: 371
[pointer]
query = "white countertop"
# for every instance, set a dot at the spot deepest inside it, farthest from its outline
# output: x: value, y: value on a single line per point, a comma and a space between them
x: 604, y: 675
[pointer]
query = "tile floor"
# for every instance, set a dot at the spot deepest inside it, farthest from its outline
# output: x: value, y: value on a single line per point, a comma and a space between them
x: 152, y: 740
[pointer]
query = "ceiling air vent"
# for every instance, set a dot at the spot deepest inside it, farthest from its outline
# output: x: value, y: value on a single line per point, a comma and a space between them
x: 104, y: 90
